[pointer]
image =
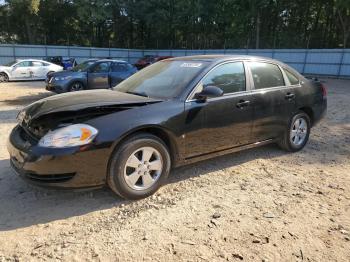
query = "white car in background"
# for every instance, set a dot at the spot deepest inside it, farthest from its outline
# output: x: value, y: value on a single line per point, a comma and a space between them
x: 28, y: 69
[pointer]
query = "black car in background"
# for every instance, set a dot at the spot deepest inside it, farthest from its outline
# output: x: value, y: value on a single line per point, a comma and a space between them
x: 91, y: 74
x: 172, y: 113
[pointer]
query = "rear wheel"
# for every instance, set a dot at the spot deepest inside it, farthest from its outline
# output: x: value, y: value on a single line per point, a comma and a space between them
x: 297, y: 133
x: 3, y: 77
x: 76, y: 86
x: 139, y: 166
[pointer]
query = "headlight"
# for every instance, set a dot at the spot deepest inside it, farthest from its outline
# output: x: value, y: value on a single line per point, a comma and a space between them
x: 69, y: 136
x: 62, y: 78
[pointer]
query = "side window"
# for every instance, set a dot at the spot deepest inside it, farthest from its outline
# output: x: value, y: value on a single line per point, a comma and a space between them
x: 130, y: 67
x: 24, y: 64
x: 119, y: 67
x: 101, y: 68
x: 35, y: 63
x: 291, y: 77
x: 266, y: 75
x: 229, y: 77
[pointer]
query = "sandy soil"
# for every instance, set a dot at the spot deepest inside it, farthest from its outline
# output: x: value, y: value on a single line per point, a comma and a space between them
x: 257, y: 205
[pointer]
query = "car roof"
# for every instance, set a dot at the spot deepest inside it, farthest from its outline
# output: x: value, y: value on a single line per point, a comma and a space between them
x: 222, y: 58
x: 111, y: 60
x: 28, y: 59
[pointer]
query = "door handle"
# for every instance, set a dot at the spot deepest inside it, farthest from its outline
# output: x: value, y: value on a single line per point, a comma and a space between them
x: 289, y: 96
x: 242, y: 103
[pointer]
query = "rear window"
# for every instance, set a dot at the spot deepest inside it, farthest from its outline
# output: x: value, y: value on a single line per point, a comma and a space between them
x: 291, y: 77
x: 266, y: 75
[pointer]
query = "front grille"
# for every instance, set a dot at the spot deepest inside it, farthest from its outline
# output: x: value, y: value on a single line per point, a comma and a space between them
x: 57, y: 178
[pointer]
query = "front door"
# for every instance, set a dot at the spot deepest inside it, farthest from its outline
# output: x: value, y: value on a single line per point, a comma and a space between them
x: 223, y: 122
x: 22, y: 70
x: 98, y: 76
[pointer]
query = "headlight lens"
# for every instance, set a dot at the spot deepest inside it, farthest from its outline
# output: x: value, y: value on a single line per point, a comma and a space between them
x: 69, y: 136
x: 62, y: 78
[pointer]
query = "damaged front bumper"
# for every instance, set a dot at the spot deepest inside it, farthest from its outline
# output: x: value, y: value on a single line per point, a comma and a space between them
x: 76, y: 167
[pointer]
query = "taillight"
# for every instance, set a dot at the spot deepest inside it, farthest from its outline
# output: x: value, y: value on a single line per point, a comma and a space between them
x: 324, y: 90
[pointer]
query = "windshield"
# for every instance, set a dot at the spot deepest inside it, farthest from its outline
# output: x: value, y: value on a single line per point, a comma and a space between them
x: 165, y: 79
x: 11, y: 63
x: 83, y: 66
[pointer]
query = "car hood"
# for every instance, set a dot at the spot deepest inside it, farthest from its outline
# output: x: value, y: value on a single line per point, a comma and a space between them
x: 66, y: 73
x: 91, y: 100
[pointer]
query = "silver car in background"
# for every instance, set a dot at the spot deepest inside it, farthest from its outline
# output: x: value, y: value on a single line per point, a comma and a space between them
x: 28, y: 69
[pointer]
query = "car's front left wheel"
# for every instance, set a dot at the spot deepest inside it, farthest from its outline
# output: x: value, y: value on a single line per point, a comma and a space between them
x: 3, y: 77
x: 139, y: 166
x: 76, y: 86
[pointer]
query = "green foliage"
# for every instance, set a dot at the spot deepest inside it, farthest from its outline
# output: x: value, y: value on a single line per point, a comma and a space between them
x: 177, y: 23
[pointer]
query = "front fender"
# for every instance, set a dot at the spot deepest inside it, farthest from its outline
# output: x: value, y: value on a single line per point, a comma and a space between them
x: 7, y: 73
x: 166, y: 117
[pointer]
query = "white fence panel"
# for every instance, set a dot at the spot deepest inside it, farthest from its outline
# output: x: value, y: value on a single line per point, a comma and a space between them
x: 331, y: 62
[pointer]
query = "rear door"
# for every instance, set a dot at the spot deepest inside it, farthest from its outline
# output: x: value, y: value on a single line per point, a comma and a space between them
x: 223, y: 122
x: 273, y: 100
x: 38, y: 69
x: 98, y: 76
x: 119, y: 72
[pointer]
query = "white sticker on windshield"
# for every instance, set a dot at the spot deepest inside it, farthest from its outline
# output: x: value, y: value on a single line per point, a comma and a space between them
x: 191, y: 65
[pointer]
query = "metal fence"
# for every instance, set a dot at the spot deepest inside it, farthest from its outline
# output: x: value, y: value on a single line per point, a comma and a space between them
x: 327, y: 62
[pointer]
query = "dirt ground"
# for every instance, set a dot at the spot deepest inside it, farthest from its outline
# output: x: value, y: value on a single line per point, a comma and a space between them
x: 258, y: 205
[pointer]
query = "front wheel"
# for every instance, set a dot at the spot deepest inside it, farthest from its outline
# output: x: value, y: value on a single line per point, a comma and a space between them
x: 76, y: 86
x: 297, y: 133
x: 139, y: 166
x: 3, y: 77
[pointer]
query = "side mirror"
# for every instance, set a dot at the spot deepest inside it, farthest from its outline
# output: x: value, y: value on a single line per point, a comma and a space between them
x: 209, y: 92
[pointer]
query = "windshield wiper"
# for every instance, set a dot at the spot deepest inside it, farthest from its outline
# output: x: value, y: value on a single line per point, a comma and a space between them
x: 138, y: 94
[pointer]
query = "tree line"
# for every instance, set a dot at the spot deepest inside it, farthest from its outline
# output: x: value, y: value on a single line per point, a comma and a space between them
x: 188, y: 24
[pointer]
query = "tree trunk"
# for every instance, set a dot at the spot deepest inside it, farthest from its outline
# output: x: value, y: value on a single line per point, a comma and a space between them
x: 257, y: 38
x: 30, y: 36
x: 345, y: 26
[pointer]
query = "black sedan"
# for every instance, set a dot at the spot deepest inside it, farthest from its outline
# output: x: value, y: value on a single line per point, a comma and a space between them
x: 91, y: 74
x: 172, y: 113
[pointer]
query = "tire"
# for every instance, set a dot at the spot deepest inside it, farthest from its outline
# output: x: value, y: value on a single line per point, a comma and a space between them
x: 134, y: 172
x: 49, y: 73
x: 3, y: 77
x: 297, y: 133
x: 76, y: 86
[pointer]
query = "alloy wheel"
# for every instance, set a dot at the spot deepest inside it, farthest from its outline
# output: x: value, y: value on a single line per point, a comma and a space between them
x: 3, y: 78
x: 76, y: 87
x: 143, y: 168
x: 298, y: 131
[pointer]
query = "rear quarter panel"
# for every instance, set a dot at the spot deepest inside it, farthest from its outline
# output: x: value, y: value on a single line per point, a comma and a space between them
x: 309, y: 95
